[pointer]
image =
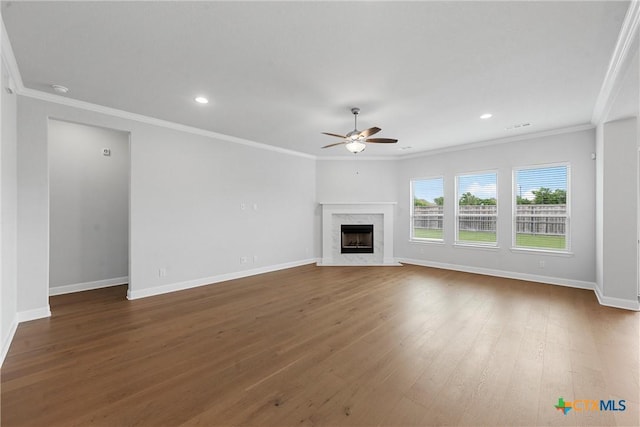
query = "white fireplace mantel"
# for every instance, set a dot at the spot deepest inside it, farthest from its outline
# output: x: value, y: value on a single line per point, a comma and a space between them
x: 335, y: 213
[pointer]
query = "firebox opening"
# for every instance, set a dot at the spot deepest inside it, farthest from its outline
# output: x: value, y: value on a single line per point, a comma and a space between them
x: 357, y: 239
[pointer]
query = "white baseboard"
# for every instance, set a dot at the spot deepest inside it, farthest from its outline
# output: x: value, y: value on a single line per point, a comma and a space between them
x: 21, y: 316
x: 382, y: 264
x: 173, y: 287
x: 617, y: 302
x: 87, y: 286
x: 36, y: 313
x: 580, y: 284
x: 6, y: 343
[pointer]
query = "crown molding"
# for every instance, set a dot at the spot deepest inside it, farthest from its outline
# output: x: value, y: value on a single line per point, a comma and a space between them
x: 490, y: 142
x: 623, y: 47
x: 10, y: 60
x: 467, y: 146
x: 19, y: 88
x: 83, y: 105
x: 623, y: 52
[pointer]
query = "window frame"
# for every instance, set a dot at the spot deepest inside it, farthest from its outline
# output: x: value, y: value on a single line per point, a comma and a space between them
x: 514, y: 207
x: 469, y: 243
x: 412, y: 236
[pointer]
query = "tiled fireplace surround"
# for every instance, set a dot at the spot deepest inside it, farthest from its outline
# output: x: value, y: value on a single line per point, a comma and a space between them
x: 380, y: 214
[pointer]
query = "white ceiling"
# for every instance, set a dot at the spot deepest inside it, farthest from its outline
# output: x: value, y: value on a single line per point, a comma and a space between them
x: 280, y: 73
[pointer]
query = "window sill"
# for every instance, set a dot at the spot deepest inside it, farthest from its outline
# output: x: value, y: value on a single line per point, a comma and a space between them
x: 476, y: 246
x: 534, y: 251
x: 427, y: 241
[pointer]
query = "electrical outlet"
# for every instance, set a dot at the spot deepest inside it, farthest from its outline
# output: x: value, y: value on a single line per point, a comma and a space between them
x: 541, y: 264
x: 162, y: 272
x: 243, y: 260
x: 243, y: 206
x: 106, y: 151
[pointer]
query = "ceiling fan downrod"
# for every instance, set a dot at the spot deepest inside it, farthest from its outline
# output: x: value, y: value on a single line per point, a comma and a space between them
x: 355, y: 111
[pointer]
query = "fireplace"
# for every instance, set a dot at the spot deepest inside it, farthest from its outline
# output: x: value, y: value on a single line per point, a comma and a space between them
x: 356, y: 239
x: 378, y: 214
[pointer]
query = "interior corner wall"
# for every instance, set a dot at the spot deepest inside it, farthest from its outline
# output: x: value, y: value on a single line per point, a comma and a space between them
x: 617, y: 188
x: 572, y: 147
x: 356, y: 180
x: 619, y: 233
x: 199, y: 205
x: 8, y: 216
x: 89, y: 206
x: 599, y: 226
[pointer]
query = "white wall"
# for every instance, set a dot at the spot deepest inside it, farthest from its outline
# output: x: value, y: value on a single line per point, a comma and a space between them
x: 187, y: 191
x: 354, y: 180
x: 619, y: 201
x: 357, y: 180
x: 575, y: 148
x: 363, y: 180
x: 8, y: 216
x: 599, y: 228
x: 617, y: 188
x: 89, y: 207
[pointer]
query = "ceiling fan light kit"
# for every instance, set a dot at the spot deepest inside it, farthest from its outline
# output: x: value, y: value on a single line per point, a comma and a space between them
x: 355, y: 141
x: 355, y: 146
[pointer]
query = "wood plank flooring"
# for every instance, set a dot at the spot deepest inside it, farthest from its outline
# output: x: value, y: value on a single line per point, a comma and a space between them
x: 326, y: 346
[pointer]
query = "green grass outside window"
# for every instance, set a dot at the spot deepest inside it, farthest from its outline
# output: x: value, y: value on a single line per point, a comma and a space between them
x: 536, y: 241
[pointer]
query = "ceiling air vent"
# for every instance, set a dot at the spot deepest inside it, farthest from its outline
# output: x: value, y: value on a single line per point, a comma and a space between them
x: 518, y: 126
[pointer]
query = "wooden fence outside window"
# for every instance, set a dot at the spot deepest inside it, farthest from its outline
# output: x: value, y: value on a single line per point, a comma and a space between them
x: 548, y: 220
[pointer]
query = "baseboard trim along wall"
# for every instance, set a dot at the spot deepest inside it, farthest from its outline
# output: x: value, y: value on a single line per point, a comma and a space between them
x: 22, y: 316
x: 8, y: 339
x: 616, y: 302
x: 87, y: 286
x: 501, y: 273
x: 36, y: 313
x: 180, y: 286
x: 607, y: 301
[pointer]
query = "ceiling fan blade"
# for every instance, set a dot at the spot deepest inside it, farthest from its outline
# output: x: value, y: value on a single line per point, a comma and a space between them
x: 333, y: 145
x: 334, y: 134
x: 382, y: 140
x: 368, y: 132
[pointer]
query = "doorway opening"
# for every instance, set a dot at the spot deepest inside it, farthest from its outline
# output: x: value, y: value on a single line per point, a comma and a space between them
x: 89, y: 169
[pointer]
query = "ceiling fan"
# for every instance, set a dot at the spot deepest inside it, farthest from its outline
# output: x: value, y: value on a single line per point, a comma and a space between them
x: 355, y: 141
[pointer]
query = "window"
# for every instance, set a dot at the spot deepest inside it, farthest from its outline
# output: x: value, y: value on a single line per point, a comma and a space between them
x: 477, y: 208
x: 427, y: 205
x: 541, y: 213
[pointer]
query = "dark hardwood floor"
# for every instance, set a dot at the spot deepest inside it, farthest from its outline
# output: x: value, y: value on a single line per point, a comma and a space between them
x: 333, y: 346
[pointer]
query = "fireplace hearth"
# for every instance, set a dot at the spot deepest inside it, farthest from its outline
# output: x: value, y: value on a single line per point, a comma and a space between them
x: 356, y: 239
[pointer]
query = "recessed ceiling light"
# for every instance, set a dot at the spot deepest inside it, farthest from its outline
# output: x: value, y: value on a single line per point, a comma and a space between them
x: 486, y: 116
x: 201, y: 100
x: 60, y: 88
